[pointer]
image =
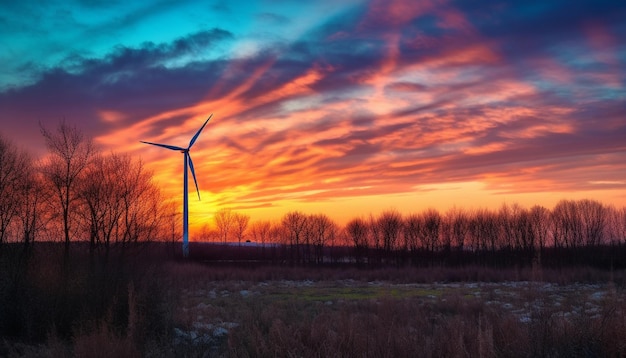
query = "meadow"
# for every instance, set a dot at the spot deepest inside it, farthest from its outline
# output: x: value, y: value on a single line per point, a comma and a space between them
x: 145, y: 301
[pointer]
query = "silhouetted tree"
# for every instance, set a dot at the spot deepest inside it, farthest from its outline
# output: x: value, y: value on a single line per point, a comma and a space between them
x: 484, y: 233
x: 224, y: 220
x: 14, y: 166
x: 294, y: 224
x: 141, y: 199
x: 457, y: 222
x: 375, y: 237
x: 621, y: 225
x: 616, y: 225
x: 593, y: 216
x: 240, y: 225
x: 324, y: 230
x: 121, y: 204
x: 32, y: 197
x: 95, y: 194
x: 506, y: 227
x: 280, y: 239
x: 70, y: 153
x: 357, y: 230
x: 567, y: 225
x: 492, y: 231
x: 411, y: 232
x: 446, y: 233
x: 522, y: 229
x: 261, y: 231
x: 306, y: 240
x: 454, y: 231
x: 540, y: 222
x: 390, y: 225
x: 430, y: 229
x: 479, y: 230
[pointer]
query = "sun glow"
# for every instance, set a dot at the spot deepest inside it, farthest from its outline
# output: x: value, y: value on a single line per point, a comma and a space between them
x: 345, y: 108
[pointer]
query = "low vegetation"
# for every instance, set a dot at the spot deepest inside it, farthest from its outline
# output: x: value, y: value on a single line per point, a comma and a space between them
x: 144, y: 301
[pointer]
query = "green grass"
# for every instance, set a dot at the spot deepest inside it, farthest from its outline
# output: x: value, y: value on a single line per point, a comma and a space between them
x: 358, y: 293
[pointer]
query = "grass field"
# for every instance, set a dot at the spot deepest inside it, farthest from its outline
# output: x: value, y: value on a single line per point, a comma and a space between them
x: 390, y: 318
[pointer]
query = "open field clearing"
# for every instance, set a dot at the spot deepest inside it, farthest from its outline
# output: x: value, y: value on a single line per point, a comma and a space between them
x: 348, y: 317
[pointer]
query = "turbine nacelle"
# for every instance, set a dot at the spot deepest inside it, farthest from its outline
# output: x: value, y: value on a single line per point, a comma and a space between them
x: 185, y: 151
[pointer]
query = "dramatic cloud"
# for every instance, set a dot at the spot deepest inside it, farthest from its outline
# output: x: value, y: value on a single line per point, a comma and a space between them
x: 327, y: 106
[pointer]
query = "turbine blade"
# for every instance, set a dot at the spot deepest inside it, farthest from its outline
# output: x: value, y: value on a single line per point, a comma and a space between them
x: 172, y: 147
x: 193, y: 140
x: 193, y: 174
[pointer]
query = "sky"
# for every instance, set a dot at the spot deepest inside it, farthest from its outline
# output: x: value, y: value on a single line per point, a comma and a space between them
x: 340, y: 107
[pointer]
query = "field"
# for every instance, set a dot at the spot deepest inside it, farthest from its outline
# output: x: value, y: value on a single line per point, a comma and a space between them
x: 394, y: 317
x: 173, y: 308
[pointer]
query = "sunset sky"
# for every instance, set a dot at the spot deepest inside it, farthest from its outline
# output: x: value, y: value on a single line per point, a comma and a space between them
x: 346, y: 107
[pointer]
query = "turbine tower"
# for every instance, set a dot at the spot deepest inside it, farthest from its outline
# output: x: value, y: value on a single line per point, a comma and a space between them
x: 187, y: 161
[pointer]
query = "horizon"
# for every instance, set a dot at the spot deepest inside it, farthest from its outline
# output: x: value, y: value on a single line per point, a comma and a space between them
x: 345, y: 108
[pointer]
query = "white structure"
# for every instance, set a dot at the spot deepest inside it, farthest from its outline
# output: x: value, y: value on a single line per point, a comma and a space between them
x: 187, y: 161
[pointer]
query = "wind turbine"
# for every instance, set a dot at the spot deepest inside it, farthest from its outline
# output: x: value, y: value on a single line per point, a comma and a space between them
x: 187, y: 160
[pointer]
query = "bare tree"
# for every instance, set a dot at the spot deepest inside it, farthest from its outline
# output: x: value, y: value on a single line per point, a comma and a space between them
x: 567, y: 224
x: 206, y: 233
x: 476, y: 232
x: 522, y: 229
x: 455, y: 228
x: 375, y: 237
x: 593, y: 215
x: 324, y: 230
x: 121, y: 204
x: 141, y: 201
x: 357, y: 230
x: 70, y: 153
x: 13, y: 173
x: 306, y: 242
x: 491, y: 231
x: 280, y: 242
x: 224, y: 220
x: 516, y: 225
x: 95, y: 193
x: 294, y: 224
x: 261, y: 232
x: 483, y: 230
x: 278, y: 234
x: 616, y: 225
x: 505, y: 222
x: 430, y: 229
x: 240, y: 225
x: 540, y: 223
x: 621, y: 225
x: 447, y: 233
x: 411, y: 231
x: 31, y: 196
x: 390, y: 224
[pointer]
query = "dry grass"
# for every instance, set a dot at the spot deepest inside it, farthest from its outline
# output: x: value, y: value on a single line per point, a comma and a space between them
x: 313, y: 313
x: 176, y: 309
x: 102, y: 343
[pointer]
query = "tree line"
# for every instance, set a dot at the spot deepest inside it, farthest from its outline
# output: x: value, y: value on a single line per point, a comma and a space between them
x: 574, y: 231
x: 79, y: 193
x: 76, y: 192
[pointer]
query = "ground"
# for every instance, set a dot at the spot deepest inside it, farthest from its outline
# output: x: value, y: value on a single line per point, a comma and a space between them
x: 317, y: 317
